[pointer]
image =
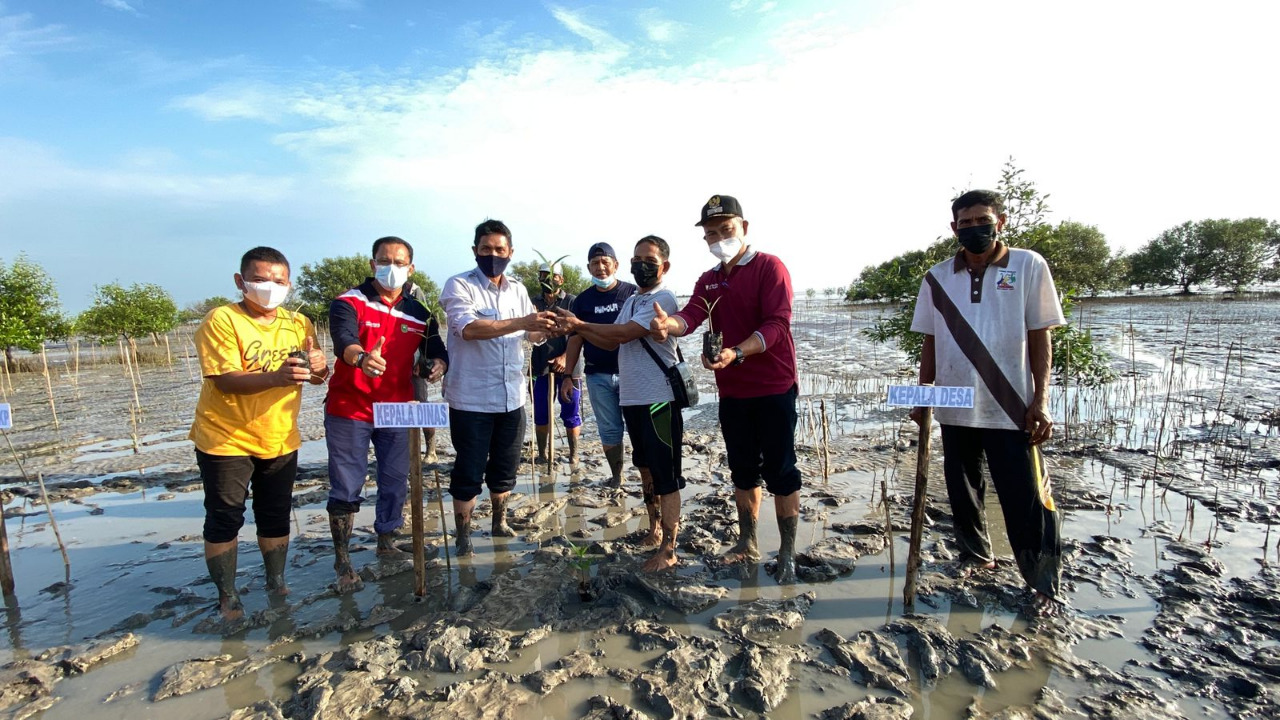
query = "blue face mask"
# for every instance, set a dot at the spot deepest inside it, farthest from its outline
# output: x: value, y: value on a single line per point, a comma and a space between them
x: 602, y: 283
x: 491, y: 265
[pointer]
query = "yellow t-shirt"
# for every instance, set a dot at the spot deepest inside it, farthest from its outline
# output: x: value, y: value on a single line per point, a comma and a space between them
x: 262, y: 424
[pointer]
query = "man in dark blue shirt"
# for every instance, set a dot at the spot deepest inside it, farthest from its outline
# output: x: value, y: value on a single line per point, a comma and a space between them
x: 600, y: 304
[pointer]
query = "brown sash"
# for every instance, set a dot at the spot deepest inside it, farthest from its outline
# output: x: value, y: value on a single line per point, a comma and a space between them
x: 971, y: 345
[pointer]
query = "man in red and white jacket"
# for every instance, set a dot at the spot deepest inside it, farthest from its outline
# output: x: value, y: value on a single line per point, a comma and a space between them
x: 747, y: 296
x: 376, y: 328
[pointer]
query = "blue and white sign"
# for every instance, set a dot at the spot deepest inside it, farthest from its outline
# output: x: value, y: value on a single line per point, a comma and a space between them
x: 410, y: 415
x: 930, y: 396
x: 6, y: 417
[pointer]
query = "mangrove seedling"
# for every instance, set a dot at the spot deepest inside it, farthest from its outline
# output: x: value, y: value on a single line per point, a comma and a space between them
x: 712, y: 340
x: 555, y: 286
x: 581, y: 561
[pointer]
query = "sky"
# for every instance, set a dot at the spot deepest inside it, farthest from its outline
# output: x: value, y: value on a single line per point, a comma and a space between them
x: 157, y: 140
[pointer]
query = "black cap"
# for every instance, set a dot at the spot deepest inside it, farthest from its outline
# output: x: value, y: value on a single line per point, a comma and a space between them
x: 601, y: 248
x: 720, y: 206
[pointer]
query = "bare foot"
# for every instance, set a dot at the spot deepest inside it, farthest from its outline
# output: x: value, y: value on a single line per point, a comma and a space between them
x: 969, y: 568
x: 653, y: 539
x: 1044, y: 606
x: 462, y: 546
x: 348, y: 580
x: 742, y: 552
x: 786, y: 572
x: 230, y: 608
x: 661, y: 560
x: 276, y: 587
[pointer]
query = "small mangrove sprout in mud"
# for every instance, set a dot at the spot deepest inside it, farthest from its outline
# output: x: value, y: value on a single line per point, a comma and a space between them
x: 712, y: 341
x: 580, y: 561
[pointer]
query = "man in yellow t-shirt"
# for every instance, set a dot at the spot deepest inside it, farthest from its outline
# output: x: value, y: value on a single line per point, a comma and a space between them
x: 254, y: 357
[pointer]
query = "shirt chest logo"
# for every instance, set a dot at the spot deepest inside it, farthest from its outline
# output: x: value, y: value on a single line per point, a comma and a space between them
x: 1007, y: 280
x: 712, y: 286
x: 405, y: 328
x: 601, y: 309
x: 370, y: 323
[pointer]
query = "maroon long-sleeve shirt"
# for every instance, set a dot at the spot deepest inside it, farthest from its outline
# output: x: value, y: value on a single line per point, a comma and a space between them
x: 755, y: 297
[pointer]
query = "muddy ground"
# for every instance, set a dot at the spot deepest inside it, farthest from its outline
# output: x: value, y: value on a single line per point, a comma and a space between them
x: 1167, y: 477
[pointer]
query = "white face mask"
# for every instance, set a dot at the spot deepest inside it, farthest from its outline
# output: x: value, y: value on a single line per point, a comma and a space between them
x: 269, y: 295
x: 391, y: 277
x: 602, y: 283
x: 726, y: 250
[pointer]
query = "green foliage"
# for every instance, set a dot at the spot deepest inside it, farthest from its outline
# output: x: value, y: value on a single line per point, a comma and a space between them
x: 117, y: 311
x: 1080, y: 249
x: 29, y: 309
x: 194, y: 312
x: 317, y: 284
x: 575, y: 280
x: 1079, y: 258
x: 1231, y: 253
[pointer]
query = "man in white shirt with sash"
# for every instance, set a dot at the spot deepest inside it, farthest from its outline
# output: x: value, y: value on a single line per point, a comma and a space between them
x: 986, y: 316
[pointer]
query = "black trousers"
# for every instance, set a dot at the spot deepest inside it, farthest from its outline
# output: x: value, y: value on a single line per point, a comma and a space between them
x: 1030, y: 515
x: 227, y: 482
x: 760, y: 441
x: 657, y: 437
x: 488, y: 447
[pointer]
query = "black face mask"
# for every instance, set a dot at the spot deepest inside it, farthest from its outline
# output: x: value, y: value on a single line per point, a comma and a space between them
x: 977, y: 239
x: 646, y: 275
x: 491, y: 265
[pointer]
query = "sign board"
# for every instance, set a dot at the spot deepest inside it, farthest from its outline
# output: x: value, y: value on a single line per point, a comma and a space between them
x: 6, y: 417
x: 930, y: 396
x: 410, y: 415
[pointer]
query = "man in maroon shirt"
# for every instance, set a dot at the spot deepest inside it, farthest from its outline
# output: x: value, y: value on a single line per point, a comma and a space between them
x: 747, y: 296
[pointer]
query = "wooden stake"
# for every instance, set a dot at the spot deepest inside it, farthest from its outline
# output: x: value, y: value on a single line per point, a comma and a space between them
x: 48, y: 385
x: 6, y: 567
x: 415, y: 500
x: 826, y: 455
x: 917, y: 510
x: 66, y: 561
x: 167, y: 354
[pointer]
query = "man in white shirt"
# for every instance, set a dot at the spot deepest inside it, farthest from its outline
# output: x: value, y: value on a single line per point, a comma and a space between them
x: 986, y: 316
x: 488, y: 317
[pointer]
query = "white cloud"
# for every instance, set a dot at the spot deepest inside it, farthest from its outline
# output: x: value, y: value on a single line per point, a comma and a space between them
x: 657, y: 28
x: 572, y: 22
x: 20, y: 36
x: 120, y: 5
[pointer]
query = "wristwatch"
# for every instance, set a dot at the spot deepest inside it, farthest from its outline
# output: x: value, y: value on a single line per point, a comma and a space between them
x: 738, y: 356
x: 360, y: 359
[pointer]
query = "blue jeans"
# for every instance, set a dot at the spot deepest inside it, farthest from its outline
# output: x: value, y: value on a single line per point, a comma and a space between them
x: 348, y: 444
x: 603, y: 390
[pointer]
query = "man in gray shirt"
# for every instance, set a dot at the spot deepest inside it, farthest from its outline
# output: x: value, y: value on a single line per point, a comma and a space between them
x: 654, y: 424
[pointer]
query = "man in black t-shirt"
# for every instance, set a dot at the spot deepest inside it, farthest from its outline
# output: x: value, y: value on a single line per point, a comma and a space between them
x: 600, y: 304
x: 548, y: 367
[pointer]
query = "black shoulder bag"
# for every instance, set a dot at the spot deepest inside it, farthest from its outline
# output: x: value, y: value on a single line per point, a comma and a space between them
x: 679, y: 376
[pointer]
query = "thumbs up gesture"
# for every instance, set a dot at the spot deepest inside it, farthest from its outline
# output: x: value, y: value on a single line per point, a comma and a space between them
x: 374, y: 364
x: 315, y: 357
x: 658, y: 325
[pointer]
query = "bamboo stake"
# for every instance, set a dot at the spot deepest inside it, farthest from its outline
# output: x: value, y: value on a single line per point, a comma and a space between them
x: 917, y: 510
x: 415, y: 499
x: 48, y: 386
x: 444, y: 528
x: 66, y: 561
x: 826, y: 454
x: 168, y: 355
x: 551, y: 426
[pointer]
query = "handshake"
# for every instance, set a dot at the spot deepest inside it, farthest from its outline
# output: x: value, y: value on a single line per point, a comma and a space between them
x: 556, y: 322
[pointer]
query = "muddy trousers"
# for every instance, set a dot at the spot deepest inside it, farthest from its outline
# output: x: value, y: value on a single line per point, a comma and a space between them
x: 1030, y: 516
